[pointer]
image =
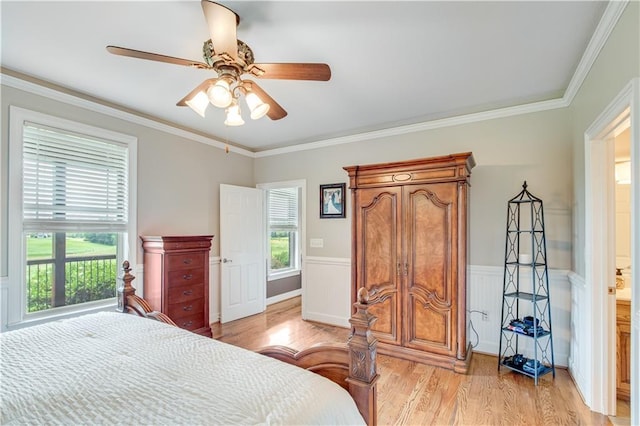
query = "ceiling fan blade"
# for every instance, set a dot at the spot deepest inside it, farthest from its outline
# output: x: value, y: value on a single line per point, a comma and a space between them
x: 318, y: 72
x: 132, y: 53
x: 201, y: 87
x: 276, y: 112
x: 222, y: 24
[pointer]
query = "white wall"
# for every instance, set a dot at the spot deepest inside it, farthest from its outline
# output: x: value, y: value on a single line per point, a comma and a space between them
x: 534, y: 147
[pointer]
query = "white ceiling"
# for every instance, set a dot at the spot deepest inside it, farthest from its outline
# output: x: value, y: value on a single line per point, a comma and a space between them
x: 393, y: 63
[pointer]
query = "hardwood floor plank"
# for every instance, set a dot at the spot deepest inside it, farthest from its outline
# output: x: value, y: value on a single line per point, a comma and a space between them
x: 411, y: 393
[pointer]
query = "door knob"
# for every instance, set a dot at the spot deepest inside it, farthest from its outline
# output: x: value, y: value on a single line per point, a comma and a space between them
x: 225, y: 260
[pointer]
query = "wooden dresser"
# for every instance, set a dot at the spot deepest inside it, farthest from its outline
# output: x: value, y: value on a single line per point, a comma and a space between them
x: 176, y: 279
x: 409, y: 250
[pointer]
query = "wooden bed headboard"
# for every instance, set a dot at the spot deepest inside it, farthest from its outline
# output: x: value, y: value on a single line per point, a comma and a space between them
x: 352, y: 365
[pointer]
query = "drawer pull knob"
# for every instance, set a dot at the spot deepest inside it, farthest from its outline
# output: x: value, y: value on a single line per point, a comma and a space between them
x: 187, y: 261
x: 188, y: 308
x: 187, y: 324
x: 187, y: 292
x: 187, y: 276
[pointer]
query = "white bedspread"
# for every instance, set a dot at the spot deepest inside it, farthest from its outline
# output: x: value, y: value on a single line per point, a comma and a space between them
x: 111, y: 368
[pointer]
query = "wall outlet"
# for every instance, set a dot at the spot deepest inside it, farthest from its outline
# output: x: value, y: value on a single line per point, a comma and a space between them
x: 316, y: 242
x: 485, y: 316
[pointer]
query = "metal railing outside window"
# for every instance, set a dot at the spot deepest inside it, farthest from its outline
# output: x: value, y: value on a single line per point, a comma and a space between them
x: 86, y: 279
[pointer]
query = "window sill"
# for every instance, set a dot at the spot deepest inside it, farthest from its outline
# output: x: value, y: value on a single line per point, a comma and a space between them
x: 281, y: 275
x: 64, y: 313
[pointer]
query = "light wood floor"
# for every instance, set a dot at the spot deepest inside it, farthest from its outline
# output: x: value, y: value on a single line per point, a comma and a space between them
x: 411, y: 393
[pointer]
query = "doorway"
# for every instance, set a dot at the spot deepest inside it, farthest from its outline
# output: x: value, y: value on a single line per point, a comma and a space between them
x: 600, y: 245
x: 285, y: 216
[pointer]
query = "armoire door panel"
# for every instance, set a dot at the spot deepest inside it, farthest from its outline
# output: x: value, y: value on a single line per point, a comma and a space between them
x: 430, y: 222
x: 380, y: 237
x: 379, y: 229
x: 386, y: 327
x: 431, y: 327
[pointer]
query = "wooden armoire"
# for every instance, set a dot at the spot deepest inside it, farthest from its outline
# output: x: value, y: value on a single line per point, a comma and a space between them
x: 409, y: 250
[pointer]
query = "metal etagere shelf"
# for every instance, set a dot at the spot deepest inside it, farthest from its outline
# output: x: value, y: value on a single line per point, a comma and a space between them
x: 526, y: 341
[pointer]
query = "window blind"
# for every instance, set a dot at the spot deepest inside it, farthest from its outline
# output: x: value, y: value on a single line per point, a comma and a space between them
x: 73, y: 181
x: 283, y: 209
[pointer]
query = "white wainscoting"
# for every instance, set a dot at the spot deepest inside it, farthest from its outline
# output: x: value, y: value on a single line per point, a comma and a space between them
x: 326, y: 298
x: 485, y: 295
x: 580, y: 353
x: 326, y: 290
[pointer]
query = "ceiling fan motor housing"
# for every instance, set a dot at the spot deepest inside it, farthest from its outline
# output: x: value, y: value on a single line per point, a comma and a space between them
x: 245, y: 54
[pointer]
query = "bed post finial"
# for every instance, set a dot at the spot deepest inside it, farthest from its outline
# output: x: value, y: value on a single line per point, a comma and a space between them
x: 126, y: 289
x: 362, y: 359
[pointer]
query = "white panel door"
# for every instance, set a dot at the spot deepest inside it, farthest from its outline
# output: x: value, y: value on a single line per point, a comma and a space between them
x: 243, y: 279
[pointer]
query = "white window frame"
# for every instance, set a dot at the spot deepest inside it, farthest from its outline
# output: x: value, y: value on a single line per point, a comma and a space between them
x: 16, y: 295
x: 302, y: 185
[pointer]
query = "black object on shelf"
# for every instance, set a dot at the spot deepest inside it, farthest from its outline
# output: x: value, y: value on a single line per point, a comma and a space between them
x: 526, y: 308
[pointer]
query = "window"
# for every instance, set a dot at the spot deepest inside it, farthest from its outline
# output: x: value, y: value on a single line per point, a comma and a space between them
x: 283, y: 230
x: 71, y: 214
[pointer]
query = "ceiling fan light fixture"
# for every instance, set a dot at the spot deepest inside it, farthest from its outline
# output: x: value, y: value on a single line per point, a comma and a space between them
x: 233, y: 115
x: 220, y: 93
x: 199, y: 103
x: 258, y: 108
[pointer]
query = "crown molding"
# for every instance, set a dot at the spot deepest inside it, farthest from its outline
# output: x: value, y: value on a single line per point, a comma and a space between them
x: 600, y: 36
x: 607, y: 23
x: 419, y: 127
x: 80, y: 102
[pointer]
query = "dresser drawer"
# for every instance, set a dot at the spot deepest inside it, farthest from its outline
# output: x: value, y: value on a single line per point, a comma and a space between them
x: 185, y: 277
x: 185, y: 293
x: 190, y: 245
x: 186, y: 309
x: 175, y: 262
x: 191, y: 322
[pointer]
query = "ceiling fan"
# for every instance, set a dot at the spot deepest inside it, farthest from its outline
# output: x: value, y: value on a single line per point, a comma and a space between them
x: 231, y: 59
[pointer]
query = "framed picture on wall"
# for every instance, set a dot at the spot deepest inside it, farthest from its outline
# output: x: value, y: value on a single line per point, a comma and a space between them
x: 333, y: 202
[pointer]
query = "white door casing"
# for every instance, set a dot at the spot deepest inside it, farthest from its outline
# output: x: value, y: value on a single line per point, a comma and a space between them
x: 623, y: 111
x: 243, y: 278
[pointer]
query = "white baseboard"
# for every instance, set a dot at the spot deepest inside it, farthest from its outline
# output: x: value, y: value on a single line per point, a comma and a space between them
x: 284, y: 296
x: 327, y: 319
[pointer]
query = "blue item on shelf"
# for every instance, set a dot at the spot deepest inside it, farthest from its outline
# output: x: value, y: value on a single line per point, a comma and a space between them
x: 516, y: 361
x: 529, y: 320
x: 532, y: 365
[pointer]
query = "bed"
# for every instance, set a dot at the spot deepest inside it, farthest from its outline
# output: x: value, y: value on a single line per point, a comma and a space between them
x: 111, y: 368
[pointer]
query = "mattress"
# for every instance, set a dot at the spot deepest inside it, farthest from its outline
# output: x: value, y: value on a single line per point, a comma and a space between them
x: 111, y: 368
